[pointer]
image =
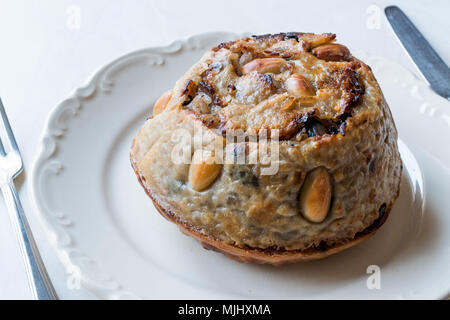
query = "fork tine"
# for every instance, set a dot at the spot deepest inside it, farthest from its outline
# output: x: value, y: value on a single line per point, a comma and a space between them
x: 12, y: 140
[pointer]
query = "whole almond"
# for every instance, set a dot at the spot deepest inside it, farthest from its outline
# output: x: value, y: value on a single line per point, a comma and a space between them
x: 203, y: 170
x: 162, y: 101
x: 315, y: 195
x: 332, y: 52
x: 265, y: 65
x: 298, y: 85
x: 319, y: 39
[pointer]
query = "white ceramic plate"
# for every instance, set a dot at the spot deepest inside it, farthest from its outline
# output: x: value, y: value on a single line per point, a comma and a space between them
x: 106, y: 230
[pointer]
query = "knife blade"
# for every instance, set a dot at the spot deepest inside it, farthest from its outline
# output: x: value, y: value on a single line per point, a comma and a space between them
x: 429, y: 63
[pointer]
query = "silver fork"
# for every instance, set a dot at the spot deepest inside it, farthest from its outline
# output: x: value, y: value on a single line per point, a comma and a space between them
x: 10, y: 167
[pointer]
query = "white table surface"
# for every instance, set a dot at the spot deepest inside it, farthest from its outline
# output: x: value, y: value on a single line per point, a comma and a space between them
x: 51, y: 47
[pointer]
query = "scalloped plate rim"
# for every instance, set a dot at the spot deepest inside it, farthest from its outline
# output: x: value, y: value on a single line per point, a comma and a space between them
x: 43, y: 155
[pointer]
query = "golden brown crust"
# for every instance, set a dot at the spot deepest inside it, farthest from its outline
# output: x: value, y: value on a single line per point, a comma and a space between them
x: 275, y: 257
x: 256, y: 71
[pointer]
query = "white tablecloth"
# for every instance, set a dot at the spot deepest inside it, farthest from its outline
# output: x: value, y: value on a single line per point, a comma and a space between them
x: 48, y: 48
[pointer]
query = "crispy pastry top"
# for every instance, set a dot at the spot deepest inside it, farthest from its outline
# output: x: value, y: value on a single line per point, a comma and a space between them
x: 302, y: 84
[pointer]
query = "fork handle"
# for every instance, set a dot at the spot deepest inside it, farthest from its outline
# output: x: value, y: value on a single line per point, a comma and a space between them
x: 38, y: 278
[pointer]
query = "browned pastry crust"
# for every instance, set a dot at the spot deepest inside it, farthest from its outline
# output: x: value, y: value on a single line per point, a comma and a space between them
x: 338, y: 167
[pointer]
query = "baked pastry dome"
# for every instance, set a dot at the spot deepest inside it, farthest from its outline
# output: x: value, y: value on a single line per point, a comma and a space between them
x: 337, y: 166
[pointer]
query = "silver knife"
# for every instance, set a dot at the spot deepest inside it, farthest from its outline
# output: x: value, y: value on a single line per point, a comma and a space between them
x: 432, y: 67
